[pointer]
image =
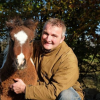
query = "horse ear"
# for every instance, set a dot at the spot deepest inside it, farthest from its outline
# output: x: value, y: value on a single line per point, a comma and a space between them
x: 9, y: 24
x: 35, y: 25
x: 31, y: 24
x: 12, y: 23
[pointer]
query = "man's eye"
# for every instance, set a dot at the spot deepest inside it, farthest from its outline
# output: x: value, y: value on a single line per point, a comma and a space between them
x: 45, y: 33
x: 54, y: 36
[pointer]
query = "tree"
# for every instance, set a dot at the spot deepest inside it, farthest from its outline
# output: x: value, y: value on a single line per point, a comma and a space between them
x: 81, y: 17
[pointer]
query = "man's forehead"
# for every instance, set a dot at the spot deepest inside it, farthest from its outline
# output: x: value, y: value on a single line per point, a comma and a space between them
x: 50, y: 25
x: 52, y: 29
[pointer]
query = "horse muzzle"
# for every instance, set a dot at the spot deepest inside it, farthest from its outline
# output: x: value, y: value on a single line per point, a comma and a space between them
x: 20, y: 64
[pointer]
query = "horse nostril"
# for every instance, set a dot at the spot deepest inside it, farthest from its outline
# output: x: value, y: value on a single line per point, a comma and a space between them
x: 16, y: 62
x: 24, y: 61
x: 20, y: 62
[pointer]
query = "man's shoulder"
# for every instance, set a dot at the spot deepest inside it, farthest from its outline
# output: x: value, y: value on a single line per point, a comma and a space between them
x: 67, y: 51
x: 65, y: 47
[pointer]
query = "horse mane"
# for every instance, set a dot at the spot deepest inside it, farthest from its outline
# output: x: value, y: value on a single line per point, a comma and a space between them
x: 17, y: 22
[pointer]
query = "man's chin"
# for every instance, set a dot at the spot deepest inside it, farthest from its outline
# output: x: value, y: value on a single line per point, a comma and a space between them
x: 47, y: 48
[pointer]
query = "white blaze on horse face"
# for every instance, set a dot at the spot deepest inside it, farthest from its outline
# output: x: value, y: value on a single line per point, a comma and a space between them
x: 20, y: 59
x: 21, y: 37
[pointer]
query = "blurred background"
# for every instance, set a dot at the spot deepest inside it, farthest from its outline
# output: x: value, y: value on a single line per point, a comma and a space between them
x: 82, y: 19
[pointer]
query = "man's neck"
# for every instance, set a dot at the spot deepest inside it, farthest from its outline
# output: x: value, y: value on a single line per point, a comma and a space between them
x: 45, y: 50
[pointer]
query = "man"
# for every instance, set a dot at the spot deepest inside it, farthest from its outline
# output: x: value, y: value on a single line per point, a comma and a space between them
x: 56, y: 66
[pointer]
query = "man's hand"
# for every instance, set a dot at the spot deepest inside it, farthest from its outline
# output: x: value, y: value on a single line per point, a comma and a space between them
x: 18, y: 87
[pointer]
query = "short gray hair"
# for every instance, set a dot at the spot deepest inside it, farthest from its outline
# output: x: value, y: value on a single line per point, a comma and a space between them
x: 56, y: 22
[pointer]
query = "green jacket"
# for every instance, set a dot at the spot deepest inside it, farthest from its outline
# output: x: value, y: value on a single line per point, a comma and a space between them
x: 57, y: 71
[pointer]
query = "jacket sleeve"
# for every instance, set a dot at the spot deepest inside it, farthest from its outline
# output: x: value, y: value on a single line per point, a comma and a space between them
x: 65, y: 76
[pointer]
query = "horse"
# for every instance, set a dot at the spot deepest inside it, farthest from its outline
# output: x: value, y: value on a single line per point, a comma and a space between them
x: 18, y: 61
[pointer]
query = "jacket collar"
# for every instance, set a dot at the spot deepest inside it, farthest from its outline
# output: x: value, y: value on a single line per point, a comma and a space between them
x: 52, y: 51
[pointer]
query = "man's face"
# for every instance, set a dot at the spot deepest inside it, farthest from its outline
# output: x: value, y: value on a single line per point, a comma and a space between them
x: 51, y: 36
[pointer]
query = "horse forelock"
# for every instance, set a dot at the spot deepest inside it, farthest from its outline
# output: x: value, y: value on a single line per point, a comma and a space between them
x: 13, y: 23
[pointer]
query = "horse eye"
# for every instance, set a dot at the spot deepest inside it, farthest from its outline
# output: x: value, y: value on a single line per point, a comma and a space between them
x: 31, y: 41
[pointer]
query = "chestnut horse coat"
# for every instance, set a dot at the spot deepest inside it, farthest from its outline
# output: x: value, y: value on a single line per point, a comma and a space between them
x: 18, y: 59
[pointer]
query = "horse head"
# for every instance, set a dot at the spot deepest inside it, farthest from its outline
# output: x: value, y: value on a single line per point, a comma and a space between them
x: 21, y: 35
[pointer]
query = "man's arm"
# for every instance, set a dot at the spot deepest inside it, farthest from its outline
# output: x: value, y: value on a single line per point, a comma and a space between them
x: 65, y: 76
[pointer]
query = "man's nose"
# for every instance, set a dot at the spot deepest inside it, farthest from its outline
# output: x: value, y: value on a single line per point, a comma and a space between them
x: 49, y: 38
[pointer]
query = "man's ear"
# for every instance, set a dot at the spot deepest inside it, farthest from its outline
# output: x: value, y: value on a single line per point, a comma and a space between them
x: 62, y: 39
